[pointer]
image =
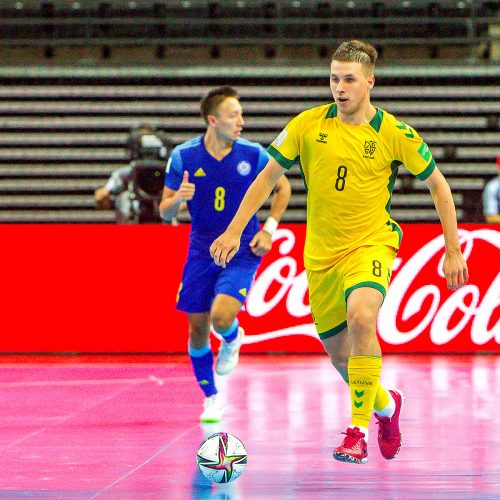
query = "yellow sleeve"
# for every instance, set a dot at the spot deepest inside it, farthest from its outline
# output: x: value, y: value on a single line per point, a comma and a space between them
x: 285, y: 149
x: 414, y: 152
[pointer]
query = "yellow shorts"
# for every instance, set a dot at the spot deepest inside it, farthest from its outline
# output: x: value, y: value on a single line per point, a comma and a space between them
x: 368, y: 266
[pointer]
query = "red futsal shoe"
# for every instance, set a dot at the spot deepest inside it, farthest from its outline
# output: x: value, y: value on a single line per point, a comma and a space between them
x: 389, y: 436
x: 353, y: 448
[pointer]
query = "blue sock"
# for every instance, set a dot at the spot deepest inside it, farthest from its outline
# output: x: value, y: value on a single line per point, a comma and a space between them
x: 202, y: 360
x: 232, y: 333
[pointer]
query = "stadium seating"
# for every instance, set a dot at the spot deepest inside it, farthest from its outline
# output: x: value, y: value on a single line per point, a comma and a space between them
x: 77, y: 75
x: 276, y: 27
x: 63, y: 130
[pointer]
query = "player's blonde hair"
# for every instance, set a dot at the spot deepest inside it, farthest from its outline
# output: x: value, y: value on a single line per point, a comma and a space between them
x: 357, y: 51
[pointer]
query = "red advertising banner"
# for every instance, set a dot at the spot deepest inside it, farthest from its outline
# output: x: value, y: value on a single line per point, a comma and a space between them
x: 111, y: 288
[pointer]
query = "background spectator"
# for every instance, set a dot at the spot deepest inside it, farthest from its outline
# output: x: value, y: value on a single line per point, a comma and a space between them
x: 491, y: 198
x: 135, y: 190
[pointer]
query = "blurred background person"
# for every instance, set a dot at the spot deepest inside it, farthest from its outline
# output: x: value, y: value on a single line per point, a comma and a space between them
x: 491, y: 198
x: 135, y: 189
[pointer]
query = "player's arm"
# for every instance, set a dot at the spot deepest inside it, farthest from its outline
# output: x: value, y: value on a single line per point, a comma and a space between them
x: 172, y: 199
x: 227, y: 244
x: 262, y: 242
x: 454, y: 267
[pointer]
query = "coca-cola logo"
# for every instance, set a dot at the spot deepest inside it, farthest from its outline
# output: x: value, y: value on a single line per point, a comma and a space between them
x: 470, y: 302
x: 417, y: 301
x: 288, y: 283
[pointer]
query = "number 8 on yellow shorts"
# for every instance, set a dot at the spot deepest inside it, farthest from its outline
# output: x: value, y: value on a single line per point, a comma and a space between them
x: 367, y: 266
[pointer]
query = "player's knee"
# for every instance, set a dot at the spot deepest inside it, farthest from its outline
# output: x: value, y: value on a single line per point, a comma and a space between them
x: 221, y: 320
x: 361, y: 321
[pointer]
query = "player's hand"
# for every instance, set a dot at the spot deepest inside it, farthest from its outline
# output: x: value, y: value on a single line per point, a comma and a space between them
x: 261, y: 243
x: 455, y: 270
x: 186, y: 190
x: 224, y: 248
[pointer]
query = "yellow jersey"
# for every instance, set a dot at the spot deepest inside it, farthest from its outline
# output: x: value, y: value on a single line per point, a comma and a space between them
x: 349, y: 172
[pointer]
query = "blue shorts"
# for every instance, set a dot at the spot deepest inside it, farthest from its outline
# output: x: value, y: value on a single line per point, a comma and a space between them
x: 203, y: 280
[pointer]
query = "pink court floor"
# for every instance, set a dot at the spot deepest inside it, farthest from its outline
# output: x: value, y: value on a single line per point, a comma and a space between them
x: 128, y: 428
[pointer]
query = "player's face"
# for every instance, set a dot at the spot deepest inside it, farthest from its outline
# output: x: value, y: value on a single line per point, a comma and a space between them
x: 228, y: 119
x: 350, y: 85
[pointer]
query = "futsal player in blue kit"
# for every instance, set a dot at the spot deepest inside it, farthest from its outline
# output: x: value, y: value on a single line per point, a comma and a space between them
x: 212, y: 173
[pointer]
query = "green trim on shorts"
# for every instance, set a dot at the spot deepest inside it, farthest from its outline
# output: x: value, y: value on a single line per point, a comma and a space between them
x: 333, y: 331
x: 366, y: 284
x: 363, y: 356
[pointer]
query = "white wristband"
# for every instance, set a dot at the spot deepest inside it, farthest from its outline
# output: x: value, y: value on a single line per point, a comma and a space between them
x: 270, y: 226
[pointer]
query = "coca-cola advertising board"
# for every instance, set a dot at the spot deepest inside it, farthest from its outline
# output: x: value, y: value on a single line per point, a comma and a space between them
x: 112, y: 289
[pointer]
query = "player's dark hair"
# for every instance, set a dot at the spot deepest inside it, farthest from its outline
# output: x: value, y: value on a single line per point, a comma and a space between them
x: 356, y: 51
x: 214, y: 98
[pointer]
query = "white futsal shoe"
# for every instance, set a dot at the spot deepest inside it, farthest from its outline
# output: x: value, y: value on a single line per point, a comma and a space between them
x: 229, y: 353
x: 212, y: 409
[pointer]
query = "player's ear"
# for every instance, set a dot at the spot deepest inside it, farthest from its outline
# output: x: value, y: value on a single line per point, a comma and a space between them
x: 212, y: 121
x: 371, y: 81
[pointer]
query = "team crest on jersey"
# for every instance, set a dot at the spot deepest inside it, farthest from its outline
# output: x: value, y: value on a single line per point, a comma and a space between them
x: 370, y: 147
x: 243, y: 168
x: 322, y: 137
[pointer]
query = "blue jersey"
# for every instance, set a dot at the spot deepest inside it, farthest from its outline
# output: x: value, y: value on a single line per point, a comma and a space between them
x: 220, y: 185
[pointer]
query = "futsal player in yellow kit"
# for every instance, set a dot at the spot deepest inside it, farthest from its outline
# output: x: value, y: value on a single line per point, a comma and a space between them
x: 349, y: 154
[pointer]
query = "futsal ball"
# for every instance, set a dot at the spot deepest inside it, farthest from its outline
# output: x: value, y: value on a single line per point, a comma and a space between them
x: 222, y: 457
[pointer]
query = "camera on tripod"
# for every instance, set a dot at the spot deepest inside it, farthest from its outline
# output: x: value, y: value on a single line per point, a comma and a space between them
x: 147, y: 182
x: 135, y: 190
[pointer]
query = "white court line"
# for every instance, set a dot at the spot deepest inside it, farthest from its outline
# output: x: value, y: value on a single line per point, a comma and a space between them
x: 64, y: 419
x: 112, y: 381
x: 140, y: 466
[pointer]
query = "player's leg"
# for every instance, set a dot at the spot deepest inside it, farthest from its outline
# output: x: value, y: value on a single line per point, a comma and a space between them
x: 195, y: 298
x: 202, y: 360
x: 326, y: 296
x: 338, y: 349
x: 231, y: 290
x: 365, y: 361
x: 367, y: 278
x: 200, y: 351
x: 224, y: 320
x: 364, y: 368
x: 364, y: 364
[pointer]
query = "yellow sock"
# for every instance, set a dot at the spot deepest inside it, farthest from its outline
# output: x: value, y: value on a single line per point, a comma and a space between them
x: 381, y: 398
x: 364, y: 372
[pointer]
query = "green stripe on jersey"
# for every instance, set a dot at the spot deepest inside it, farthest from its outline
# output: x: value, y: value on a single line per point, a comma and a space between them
x: 376, y: 121
x: 332, y: 111
x: 390, y: 184
x: 284, y: 162
x: 428, y: 171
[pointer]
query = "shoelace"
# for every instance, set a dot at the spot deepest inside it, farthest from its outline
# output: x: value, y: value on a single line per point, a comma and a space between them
x: 351, y: 438
x: 383, y: 429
